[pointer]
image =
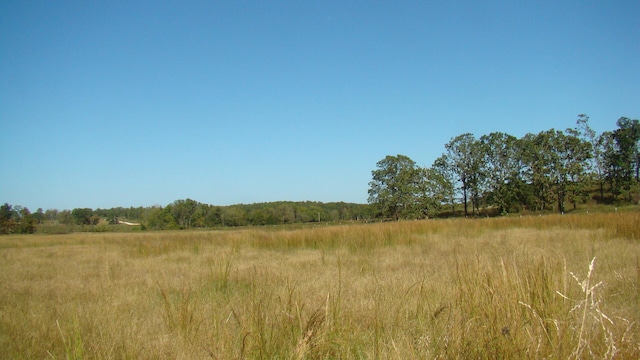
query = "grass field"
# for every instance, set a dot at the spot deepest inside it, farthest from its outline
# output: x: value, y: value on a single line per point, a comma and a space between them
x: 558, y: 287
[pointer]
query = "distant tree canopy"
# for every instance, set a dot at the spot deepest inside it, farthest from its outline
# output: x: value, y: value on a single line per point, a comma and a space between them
x: 16, y: 219
x: 85, y: 216
x: 502, y: 173
x: 184, y: 214
x: 496, y: 173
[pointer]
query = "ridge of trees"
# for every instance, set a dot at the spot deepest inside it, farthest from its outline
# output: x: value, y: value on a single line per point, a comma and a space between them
x: 500, y: 172
x: 496, y: 173
x: 183, y: 214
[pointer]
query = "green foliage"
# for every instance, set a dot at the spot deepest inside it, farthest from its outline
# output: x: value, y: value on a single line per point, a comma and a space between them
x: 27, y: 223
x: 7, y: 222
x: 65, y: 217
x: 556, y: 164
x: 187, y: 214
x: 16, y: 219
x: 500, y: 174
x: 497, y: 174
x: 84, y: 216
x: 395, y: 187
x: 463, y: 155
x: 434, y: 190
x: 501, y: 166
x: 447, y: 180
x: 625, y: 160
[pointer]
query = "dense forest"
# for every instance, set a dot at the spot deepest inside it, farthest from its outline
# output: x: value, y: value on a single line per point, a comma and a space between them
x: 495, y: 174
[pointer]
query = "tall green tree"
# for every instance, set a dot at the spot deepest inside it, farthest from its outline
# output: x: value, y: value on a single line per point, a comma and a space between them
x: 393, y: 189
x: 464, y: 159
x: 597, y: 165
x: 607, y: 148
x: 433, y: 192
x: 447, y: 177
x: 576, y: 153
x: 554, y: 163
x: 538, y: 156
x: 501, y: 168
x: 626, y: 159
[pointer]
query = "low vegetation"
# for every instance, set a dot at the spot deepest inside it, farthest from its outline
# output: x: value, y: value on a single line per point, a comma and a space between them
x: 556, y: 286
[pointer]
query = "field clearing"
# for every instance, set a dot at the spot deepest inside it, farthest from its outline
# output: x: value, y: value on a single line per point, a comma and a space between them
x: 557, y: 286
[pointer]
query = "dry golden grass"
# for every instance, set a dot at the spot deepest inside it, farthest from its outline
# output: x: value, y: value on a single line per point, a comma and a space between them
x: 491, y: 288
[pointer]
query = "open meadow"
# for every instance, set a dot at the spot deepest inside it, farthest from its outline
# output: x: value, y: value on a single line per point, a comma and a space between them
x: 556, y: 286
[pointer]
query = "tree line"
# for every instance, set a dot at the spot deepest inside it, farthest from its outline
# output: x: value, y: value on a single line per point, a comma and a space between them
x: 503, y: 174
x: 494, y: 174
x: 185, y: 214
x: 181, y: 214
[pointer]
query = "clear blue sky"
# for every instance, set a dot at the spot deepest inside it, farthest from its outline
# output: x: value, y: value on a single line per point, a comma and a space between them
x: 136, y: 103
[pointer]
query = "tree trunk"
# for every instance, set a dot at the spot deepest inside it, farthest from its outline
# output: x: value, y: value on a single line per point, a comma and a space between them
x: 561, y: 202
x: 601, y: 191
x: 464, y: 195
x: 637, y: 167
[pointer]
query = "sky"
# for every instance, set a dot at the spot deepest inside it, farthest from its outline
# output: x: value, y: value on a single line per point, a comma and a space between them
x: 140, y: 103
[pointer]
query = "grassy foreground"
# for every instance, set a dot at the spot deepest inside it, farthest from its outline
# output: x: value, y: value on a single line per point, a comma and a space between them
x: 533, y: 287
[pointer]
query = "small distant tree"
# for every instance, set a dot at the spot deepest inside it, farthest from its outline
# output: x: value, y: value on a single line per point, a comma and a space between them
x: 183, y: 211
x: 51, y: 215
x: 94, y: 219
x: 82, y: 216
x: 213, y: 216
x: 65, y: 217
x: 7, y: 219
x: 27, y: 224
x: 38, y: 216
x: 234, y: 216
x: 16, y: 219
x: 159, y: 218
